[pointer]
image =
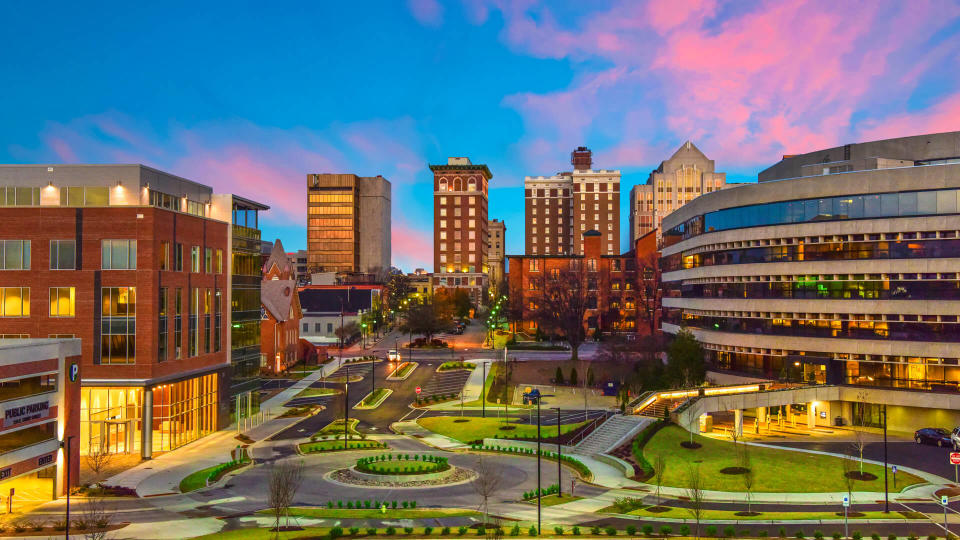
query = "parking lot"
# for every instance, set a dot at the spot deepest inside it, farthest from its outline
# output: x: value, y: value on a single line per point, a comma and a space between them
x: 446, y: 382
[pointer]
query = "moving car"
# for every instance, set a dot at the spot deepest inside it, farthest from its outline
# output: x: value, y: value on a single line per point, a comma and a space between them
x: 955, y: 437
x: 393, y: 355
x: 936, y: 436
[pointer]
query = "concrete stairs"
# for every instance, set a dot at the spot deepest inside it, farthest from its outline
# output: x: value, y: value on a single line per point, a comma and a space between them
x: 611, y: 434
x: 658, y: 408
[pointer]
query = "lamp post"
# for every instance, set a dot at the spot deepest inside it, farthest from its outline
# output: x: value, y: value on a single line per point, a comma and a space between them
x: 534, y: 395
x: 559, y: 456
x: 66, y: 444
x: 483, y: 391
x: 346, y: 409
x: 886, y: 492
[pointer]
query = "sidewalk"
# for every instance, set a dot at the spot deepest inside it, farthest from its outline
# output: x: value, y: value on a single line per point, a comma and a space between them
x: 162, y: 475
x: 413, y: 429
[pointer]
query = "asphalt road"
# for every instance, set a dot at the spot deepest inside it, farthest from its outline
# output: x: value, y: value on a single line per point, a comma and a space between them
x: 926, y: 458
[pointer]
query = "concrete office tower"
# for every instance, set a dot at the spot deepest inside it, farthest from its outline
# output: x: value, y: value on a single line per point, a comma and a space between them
x: 562, y: 207
x: 848, y: 280
x: 496, y: 244
x: 460, y: 226
x: 348, y: 223
x: 685, y: 176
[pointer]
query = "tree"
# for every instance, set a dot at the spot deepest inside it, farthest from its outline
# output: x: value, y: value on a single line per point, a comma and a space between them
x: 859, y: 443
x: 487, y: 483
x: 685, y: 363
x: 285, y: 478
x: 695, y: 495
x: 648, y: 290
x: 347, y: 331
x: 462, y: 305
x: 561, y: 307
x: 659, y: 469
x: 573, y: 376
x: 397, y: 290
x: 849, y: 470
x: 427, y: 319
x: 99, y: 458
x: 513, y: 307
x: 558, y: 376
x: 96, y: 518
x: 748, y: 476
x: 589, y: 375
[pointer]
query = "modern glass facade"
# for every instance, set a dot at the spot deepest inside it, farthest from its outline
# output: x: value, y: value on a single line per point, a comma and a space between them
x: 245, y: 302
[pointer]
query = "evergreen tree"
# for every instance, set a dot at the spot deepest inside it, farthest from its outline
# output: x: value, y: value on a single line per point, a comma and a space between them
x: 573, y: 376
x: 559, y: 376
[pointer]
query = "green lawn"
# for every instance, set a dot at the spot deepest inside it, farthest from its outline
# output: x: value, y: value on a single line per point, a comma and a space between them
x: 404, y: 370
x: 403, y: 466
x: 198, y: 479
x: 335, y: 429
x: 313, y: 392
x: 373, y: 398
x: 683, y: 513
x: 333, y: 446
x: 775, y: 471
x: 473, y: 428
x: 398, y: 513
x: 456, y: 365
x: 553, y: 500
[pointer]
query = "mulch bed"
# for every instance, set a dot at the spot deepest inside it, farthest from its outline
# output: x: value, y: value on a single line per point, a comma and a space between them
x: 734, y: 470
x: 857, y: 475
x: 691, y: 445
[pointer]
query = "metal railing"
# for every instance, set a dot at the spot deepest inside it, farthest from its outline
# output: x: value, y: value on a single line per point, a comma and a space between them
x: 589, y: 428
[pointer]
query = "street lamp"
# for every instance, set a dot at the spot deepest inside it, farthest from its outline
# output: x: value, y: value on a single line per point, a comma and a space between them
x: 534, y: 395
x: 66, y: 445
x: 559, y: 456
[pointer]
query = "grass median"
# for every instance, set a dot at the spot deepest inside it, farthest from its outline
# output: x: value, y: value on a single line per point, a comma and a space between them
x: 775, y: 470
x: 468, y: 429
x: 197, y: 480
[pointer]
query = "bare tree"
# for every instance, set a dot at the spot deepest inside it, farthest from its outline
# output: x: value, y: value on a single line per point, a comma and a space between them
x: 99, y: 458
x: 748, y: 477
x: 487, y: 483
x: 695, y: 495
x: 563, y: 303
x: 648, y: 290
x: 96, y: 518
x: 849, y: 470
x: 285, y: 478
x: 659, y: 469
x: 859, y: 442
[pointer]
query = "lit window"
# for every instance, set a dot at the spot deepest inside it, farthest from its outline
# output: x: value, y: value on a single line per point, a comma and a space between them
x: 14, y: 301
x: 62, y: 302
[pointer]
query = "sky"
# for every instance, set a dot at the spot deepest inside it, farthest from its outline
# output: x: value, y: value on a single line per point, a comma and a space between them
x: 250, y: 97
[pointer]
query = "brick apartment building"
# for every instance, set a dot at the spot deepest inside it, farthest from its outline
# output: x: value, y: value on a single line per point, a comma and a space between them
x: 150, y: 271
x: 460, y: 226
x: 280, y: 327
x: 559, y: 209
x: 615, y: 285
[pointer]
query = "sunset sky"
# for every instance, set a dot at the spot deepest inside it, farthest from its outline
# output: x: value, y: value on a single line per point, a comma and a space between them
x: 249, y: 97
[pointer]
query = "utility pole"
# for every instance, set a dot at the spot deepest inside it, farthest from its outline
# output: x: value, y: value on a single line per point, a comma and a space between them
x: 886, y: 491
x: 538, y: 464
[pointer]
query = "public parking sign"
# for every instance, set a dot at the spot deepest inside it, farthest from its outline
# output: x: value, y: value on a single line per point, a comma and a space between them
x: 418, y: 391
x: 955, y: 458
x: 846, y: 501
x: 944, y: 500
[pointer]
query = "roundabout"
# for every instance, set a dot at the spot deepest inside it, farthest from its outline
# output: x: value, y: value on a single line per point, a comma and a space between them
x: 402, y: 471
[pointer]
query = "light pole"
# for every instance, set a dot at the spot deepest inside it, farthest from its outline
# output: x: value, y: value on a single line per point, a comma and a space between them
x: 346, y: 410
x: 340, y: 362
x: 534, y: 395
x: 559, y: 458
x: 886, y: 492
x: 66, y: 443
x: 483, y: 391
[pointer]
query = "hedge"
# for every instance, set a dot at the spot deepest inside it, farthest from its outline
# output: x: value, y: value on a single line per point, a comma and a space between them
x: 640, y: 441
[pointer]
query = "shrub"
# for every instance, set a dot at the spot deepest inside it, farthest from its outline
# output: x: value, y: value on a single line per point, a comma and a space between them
x: 729, y: 531
x: 763, y: 534
x: 684, y: 530
x: 19, y: 526
x: 515, y: 531
x: 461, y: 530
x: 631, y: 530
x: 445, y: 531
x: 350, y: 505
x: 799, y: 534
x: 406, y: 504
x: 932, y: 537
x: 782, y: 532
x: 711, y: 530
x: 559, y: 530
x: 413, y: 504
x: 329, y: 504
x: 837, y: 536
x: 892, y: 537
x: 647, y: 530
x: 532, y: 531
x: 391, y: 531
x: 593, y: 530
x: 427, y: 531
x: 610, y: 531
x: 336, y: 532
x: 354, y: 531
x: 481, y: 531
x: 371, y: 531
x: 339, y: 504
x: 666, y: 530
x: 818, y: 535
x: 576, y: 531
x: 60, y: 525
x: 408, y: 530
x: 856, y: 535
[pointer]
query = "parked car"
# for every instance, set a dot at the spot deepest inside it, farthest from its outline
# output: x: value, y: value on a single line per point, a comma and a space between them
x: 936, y: 436
x: 393, y: 355
x: 955, y: 438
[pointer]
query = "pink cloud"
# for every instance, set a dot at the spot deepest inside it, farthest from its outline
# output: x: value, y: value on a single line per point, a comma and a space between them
x: 62, y: 150
x: 941, y: 117
x: 412, y: 247
x: 426, y: 12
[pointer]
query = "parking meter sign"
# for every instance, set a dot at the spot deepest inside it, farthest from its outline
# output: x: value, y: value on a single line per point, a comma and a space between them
x: 955, y: 458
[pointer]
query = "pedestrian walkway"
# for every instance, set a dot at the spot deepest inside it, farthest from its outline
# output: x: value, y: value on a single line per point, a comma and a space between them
x: 612, y: 433
x: 162, y: 475
x: 413, y: 429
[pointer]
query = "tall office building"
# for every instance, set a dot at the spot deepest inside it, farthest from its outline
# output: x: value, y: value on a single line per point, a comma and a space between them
x: 460, y: 226
x: 560, y: 208
x: 685, y: 176
x: 348, y: 223
x: 157, y: 276
x: 496, y: 245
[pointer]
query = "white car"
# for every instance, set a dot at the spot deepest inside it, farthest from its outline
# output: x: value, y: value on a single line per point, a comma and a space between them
x: 393, y: 355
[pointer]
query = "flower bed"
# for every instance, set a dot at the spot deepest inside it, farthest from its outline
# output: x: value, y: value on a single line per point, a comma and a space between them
x: 403, y: 371
x: 337, y: 445
x: 395, y: 464
x: 576, y: 464
x: 448, y: 366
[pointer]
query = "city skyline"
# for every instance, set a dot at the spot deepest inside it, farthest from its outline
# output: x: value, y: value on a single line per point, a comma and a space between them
x: 630, y: 81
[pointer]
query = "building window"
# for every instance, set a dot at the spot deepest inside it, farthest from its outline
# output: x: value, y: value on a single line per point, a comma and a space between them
x: 534, y: 265
x: 177, y: 322
x: 306, y: 328
x: 164, y: 255
x: 217, y: 303
x: 162, y: 325
x: 218, y: 262
x: 208, y: 260
x: 178, y: 257
x: 195, y: 259
x: 63, y: 254
x: 14, y: 254
x: 62, y: 302
x: 118, y: 254
x: 193, y: 337
x: 207, y: 306
x: 15, y: 302
x: 118, y: 325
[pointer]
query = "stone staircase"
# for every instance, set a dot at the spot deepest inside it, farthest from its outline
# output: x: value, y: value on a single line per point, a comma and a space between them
x: 612, y: 433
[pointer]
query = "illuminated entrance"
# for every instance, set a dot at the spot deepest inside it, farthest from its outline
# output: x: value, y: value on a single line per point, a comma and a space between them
x: 181, y: 412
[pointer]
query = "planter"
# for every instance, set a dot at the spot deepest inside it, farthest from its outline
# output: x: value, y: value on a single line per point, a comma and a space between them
x: 402, y: 372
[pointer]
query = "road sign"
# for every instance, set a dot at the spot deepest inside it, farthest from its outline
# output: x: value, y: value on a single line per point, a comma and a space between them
x: 418, y: 389
x: 846, y: 501
x: 894, y: 469
x: 955, y: 458
x: 944, y: 500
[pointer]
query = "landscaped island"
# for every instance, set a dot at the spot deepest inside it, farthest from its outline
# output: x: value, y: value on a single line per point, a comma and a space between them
x: 393, y: 464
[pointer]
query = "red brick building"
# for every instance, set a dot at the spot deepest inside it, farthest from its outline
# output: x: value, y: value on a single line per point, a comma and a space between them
x: 280, y: 327
x: 129, y: 260
x: 40, y: 393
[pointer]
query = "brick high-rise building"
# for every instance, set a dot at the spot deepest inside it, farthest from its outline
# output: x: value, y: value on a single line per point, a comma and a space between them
x: 560, y: 208
x: 496, y: 243
x: 685, y: 176
x: 157, y: 276
x: 348, y: 223
x: 460, y: 226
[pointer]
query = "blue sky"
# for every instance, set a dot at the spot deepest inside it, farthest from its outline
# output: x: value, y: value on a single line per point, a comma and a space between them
x: 250, y: 97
